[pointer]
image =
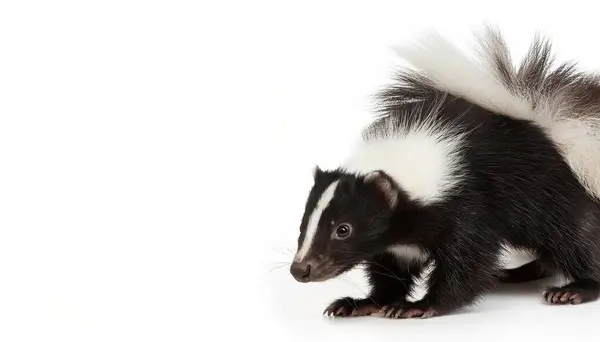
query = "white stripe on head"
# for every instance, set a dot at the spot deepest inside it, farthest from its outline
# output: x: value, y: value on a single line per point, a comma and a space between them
x: 313, y: 221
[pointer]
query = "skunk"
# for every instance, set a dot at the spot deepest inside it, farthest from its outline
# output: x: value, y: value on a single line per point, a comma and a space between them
x: 467, y: 158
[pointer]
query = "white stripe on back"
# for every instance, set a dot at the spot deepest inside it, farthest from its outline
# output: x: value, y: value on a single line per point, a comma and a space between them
x: 426, y: 161
x: 313, y: 221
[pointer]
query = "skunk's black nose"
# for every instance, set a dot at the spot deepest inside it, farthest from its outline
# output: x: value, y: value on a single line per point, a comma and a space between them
x: 301, y: 271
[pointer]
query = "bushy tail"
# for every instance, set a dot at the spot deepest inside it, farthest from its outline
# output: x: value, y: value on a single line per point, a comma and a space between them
x: 559, y: 98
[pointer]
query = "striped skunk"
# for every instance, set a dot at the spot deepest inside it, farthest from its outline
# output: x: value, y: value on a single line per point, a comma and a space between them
x: 467, y: 157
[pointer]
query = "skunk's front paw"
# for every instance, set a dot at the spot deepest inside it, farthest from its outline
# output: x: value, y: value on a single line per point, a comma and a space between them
x: 409, y: 310
x: 348, y: 306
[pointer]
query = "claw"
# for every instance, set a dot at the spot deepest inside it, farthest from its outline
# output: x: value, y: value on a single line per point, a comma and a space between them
x: 413, y: 313
x: 408, y: 311
x: 577, y: 292
x: 345, y: 307
x: 429, y: 313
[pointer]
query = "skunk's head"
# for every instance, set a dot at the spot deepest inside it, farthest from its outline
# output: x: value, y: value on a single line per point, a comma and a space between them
x: 346, y: 220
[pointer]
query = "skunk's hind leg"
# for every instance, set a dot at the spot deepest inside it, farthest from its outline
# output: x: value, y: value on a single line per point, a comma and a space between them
x: 577, y: 257
x: 581, y: 267
x: 576, y: 292
x: 530, y: 271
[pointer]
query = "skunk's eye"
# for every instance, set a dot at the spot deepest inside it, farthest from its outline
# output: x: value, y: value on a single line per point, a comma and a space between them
x: 343, y: 231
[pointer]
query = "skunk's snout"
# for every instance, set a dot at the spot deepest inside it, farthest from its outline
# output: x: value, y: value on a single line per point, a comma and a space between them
x: 301, y: 271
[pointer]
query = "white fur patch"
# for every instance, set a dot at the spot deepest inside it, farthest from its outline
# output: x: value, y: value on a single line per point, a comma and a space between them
x: 409, y: 253
x: 313, y: 221
x: 579, y: 141
x: 425, y: 161
x: 421, y: 282
x: 511, y: 257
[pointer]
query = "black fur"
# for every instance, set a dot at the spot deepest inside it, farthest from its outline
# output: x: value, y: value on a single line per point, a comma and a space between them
x: 530, y: 271
x: 516, y: 189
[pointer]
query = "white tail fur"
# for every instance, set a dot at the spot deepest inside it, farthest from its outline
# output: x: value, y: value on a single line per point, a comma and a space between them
x: 561, y: 100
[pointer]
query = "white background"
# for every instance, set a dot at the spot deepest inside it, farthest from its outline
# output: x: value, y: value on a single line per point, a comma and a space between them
x: 155, y: 157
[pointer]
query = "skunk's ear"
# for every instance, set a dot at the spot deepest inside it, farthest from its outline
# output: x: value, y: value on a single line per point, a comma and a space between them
x: 385, y: 184
x: 316, y: 171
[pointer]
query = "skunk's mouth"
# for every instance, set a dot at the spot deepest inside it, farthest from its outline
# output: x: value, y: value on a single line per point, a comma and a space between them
x: 308, y: 272
x: 324, y: 274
